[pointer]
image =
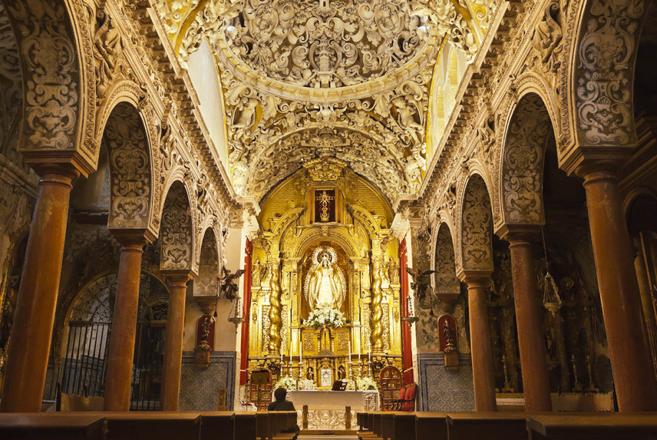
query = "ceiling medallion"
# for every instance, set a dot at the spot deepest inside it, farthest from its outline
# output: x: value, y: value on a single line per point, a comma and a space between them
x: 325, y: 169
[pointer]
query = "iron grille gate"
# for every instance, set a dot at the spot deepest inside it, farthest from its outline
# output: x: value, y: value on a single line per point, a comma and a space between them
x: 82, y: 369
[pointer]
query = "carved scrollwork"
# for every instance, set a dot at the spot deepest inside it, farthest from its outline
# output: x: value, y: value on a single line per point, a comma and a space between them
x: 176, y: 232
x: 127, y: 145
x: 331, y: 45
x: 445, y: 264
x: 476, y: 227
x: 604, y: 70
x: 51, y: 76
x: 522, y: 170
x: 11, y: 89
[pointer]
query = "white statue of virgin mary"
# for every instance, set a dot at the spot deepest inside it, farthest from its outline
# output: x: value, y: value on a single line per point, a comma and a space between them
x: 325, y: 285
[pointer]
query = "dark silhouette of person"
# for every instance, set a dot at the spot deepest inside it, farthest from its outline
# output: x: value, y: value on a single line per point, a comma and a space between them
x: 280, y: 404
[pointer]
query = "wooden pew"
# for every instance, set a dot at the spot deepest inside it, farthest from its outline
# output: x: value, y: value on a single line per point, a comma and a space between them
x: 361, y: 420
x: 217, y: 425
x: 245, y: 426
x: 404, y: 426
x: 387, y: 425
x: 281, y: 424
x: 262, y: 425
x: 430, y: 426
x: 51, y: 426
x: 492, y: 426
x: 593, y: 427
x: 152, y: 425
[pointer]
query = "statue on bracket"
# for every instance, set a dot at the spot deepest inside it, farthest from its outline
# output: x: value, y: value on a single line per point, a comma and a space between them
x: 325, y: 285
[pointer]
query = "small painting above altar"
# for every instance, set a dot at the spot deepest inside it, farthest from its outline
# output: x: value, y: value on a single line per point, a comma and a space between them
x: 325, y: 211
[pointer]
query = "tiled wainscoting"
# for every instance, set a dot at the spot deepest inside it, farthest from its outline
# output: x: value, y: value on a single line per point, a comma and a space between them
x: 442, y: 389
x: 202, y: 387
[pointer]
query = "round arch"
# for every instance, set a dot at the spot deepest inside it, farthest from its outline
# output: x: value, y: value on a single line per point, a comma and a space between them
x: 527, y: 135
x: 176, y: 233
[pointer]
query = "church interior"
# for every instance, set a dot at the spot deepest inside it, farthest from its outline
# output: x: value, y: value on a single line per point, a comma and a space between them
x: 422, y: 219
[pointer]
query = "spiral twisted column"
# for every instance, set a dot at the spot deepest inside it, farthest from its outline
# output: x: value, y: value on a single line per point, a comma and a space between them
x: 376, y: 317
x: 275, y: 311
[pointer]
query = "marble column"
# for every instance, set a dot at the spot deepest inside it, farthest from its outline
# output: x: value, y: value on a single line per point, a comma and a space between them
x: 173, y: 348
x: 118, y: 375
x: 529, y: 320
x: 34, y: 317
x: 480, y: 342
x: 629, y: 353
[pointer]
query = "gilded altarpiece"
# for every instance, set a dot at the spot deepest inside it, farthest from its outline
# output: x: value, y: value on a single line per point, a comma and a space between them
x: 306, y: 260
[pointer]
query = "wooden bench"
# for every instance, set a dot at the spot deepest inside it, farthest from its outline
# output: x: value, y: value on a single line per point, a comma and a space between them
x: 593, y: 427
x: 48, y: 426
x: 404, y: 426
x: 217, y: 425
x: 430, y: 426
x: 152, y: 425
x: 491, y: 426
x: 245, y: 426
x: 281, y: 424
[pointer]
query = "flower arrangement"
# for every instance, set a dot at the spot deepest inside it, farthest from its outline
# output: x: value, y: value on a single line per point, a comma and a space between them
x: 287, y: 382
x: 307, y: 385
x: 329, y: 317
x: 366, y: 383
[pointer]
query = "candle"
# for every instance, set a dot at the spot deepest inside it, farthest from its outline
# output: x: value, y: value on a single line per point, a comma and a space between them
x: 290, y: 348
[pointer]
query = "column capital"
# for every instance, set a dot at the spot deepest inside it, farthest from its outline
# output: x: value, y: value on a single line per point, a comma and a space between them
x: 584, y: 157
x: 177, y: 278
x: 476, y: 278
x: 133, y: 237
x: 57, y: 173
x: 56, y: 162
x: 514, y: 233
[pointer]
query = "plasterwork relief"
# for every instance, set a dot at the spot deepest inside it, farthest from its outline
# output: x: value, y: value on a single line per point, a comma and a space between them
x: 176, y: 231
x: 476, y: 227
x: 127, y: 144
x: 207, y: 281
x: 604, y: 70
x: 522, y: 170
x: 52, y: 80
x: 11, y: 90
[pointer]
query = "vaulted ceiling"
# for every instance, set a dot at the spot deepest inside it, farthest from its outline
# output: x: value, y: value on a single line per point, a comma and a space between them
x: 309, y: 79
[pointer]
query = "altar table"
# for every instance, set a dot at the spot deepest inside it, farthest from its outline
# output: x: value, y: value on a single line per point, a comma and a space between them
x: 327, y: 409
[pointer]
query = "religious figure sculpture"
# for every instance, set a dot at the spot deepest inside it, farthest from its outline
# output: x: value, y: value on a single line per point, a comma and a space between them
x: 325, y: 286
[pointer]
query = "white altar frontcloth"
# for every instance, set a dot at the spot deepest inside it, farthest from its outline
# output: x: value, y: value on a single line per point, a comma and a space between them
x: 327, y: 409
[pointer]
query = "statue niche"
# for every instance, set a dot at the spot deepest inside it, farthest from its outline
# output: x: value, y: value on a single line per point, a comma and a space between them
x: 325, y: 286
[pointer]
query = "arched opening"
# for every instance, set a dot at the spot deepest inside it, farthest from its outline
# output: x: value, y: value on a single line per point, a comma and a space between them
x: 642, y: 227
x: 116, y: 196
x: 87, y: 330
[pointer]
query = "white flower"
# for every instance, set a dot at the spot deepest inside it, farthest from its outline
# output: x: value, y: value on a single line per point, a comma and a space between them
x: 286, y: 382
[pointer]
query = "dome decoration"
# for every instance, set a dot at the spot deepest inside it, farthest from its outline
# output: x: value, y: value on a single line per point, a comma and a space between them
x: 327, y: 44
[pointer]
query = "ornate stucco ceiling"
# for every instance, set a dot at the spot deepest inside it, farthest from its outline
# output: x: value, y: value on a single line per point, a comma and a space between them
x: 308, y: 79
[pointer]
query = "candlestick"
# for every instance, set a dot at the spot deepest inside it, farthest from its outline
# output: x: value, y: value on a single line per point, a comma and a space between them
x: 349, y: 349
x: 290, y: 348
x: 300, y: 347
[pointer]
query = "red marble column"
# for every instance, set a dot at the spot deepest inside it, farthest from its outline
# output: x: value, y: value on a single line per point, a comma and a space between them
x: 34, y: 317
x: 529, y: 321
x: 118, y: 375
x: 480, y: 342
x: 173, y: 347
x: 619, y: 293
